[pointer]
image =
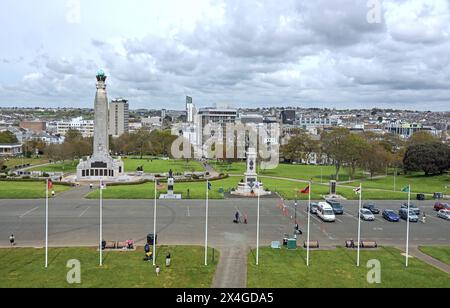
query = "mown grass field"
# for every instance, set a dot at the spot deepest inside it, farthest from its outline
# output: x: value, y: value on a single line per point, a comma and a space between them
x: 65, y: 167
x: 162, y: 166
x: 24, y: 268
x: 337, y: 269
x: 11, y: 162
x: 26, y: 190
x: 441, y: 253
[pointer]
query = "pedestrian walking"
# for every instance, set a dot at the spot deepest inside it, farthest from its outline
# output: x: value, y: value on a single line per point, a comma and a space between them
x: 245, y: 218
x: 158, y: 270
x: 424, y: 217
x: 237, y: 217
x: 12, y: 240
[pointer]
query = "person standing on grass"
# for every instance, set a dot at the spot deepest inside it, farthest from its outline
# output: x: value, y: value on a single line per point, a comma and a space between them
x: 158, y: 270
x: 12, y: 240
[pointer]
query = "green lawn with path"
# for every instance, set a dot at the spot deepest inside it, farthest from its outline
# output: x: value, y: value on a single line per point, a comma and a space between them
x: 11, y: 162
x: 24, y: 268
x: 337, y: 269
x: 26, y: 190
x: 65, y: 167
x: 441, y: 253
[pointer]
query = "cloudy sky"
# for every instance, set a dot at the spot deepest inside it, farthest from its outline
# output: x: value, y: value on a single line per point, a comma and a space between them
x: 321, y: 53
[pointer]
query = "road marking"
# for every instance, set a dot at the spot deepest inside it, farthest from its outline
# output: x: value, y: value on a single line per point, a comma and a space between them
x: 188, y: 211
x: 84, y: 212
x: 28, y: 212
x: 345, y: 213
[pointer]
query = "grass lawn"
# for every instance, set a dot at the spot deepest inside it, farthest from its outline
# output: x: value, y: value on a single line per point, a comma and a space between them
x: 66, y: 167
x: 162, y: 166
x: 26, y: 190
x: 441, y: 253
x: 11, y: 162
x: 147, y: 191
x: 24, y: 268
x: 337, y: 269
x: 419, y: 183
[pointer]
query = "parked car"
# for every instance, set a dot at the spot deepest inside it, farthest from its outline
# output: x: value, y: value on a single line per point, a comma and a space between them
x: 390, y: 215
x: 372, y: 208
x: 412, y: 207
x: 444, y: 214
x: 403, y: 213
x: 325, y: 212
x: 337, y: 207
x: 366, y: 215
x: 441, y: 206
x: 314, y: 207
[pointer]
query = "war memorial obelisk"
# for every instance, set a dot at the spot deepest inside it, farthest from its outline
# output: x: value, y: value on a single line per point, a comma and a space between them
x: 100, y: 165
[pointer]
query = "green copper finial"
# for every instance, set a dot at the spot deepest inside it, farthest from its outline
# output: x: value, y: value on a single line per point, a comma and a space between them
x: 100, y: 72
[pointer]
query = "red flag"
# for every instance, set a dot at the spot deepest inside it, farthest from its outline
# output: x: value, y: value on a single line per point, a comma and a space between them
x: 50, y: 184
x: 306, y: 190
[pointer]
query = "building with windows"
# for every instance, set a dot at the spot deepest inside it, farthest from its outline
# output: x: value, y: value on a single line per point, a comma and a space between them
x: 85, y: 127
x: 119, y: 117
x: 9, y: 150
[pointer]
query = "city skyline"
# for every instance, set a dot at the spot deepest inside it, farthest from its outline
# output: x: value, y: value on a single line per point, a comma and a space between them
x: 260, y: 54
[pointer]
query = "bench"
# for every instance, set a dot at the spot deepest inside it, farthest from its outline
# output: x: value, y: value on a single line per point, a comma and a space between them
x: 312, y: 244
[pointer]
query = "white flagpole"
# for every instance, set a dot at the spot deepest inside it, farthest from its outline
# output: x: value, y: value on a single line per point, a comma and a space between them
x: 101, y: 223
x: 359, y: 225
x: 46, y: 225
x: 206, y: 223
x: 154, y: 226
x: 257, y: 227
x: 407, y: 226
x: 309, y: 223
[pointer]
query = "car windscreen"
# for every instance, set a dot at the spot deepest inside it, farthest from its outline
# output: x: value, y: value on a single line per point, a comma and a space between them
x: 328, y: 212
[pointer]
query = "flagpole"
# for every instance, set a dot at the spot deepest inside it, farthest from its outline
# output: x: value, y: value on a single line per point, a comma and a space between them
x: 101, y: 223
x: 206, y: 223
x: 359, y: 225
x: 309, y: 222
x: 257, y: 227
x: 46, y: 224
x: 407, y: 226
x: 154, y: 226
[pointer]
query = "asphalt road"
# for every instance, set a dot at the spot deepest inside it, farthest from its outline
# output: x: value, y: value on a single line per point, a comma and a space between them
x: 75, y: 222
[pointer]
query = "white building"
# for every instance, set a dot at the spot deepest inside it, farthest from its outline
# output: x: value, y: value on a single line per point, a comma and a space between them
x: 190, y: 110
x: 85, y: 127
x: 8, y: 150
x: 119, y: 116
x: 152, y: 123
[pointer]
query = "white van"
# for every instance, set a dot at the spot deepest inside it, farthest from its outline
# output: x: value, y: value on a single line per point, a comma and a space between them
x: 325, y: 212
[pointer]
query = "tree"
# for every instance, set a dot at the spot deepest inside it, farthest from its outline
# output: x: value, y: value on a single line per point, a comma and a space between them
x: 354, y: 149
x: 300, y: 147
x: 8, y: 138
x: 422, y: 137
x: 430, y: 157
x: 333, y: 145
x: 375, y: 158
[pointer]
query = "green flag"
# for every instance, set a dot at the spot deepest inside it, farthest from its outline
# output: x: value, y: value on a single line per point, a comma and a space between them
x: 405, y: 189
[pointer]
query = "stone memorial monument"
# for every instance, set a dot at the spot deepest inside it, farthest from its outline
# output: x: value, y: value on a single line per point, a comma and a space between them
x: 248, y: 187
x: 100, y: 165
x: 170, y: 188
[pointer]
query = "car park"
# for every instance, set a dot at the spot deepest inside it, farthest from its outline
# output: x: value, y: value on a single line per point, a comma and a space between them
x: 441, y: 206
x: 338, y: 209
x: 390, y: 215
x: 444, y: 214
x: 366, y: 215
x: 371, y: 207
x: 403, y: 213
x: 325, y: 212
x: 313, y: 207
x: 412, y: 207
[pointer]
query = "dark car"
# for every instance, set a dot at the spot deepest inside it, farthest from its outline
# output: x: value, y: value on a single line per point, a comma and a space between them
x: 371, y: 207
x: 412, y: 207
x: 391, y: 216
x: 441, y: 206
x: 313, y: 208
x: 338, y: 209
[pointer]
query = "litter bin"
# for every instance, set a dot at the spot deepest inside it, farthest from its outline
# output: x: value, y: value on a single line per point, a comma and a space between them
x: 292, y: 243
x: 151, y: 238
x: 420, y: 197
x: 438, y: 196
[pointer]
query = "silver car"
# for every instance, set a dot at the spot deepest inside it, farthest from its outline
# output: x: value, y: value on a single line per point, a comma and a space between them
x: 366, y: 215
x: 444, y: 214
